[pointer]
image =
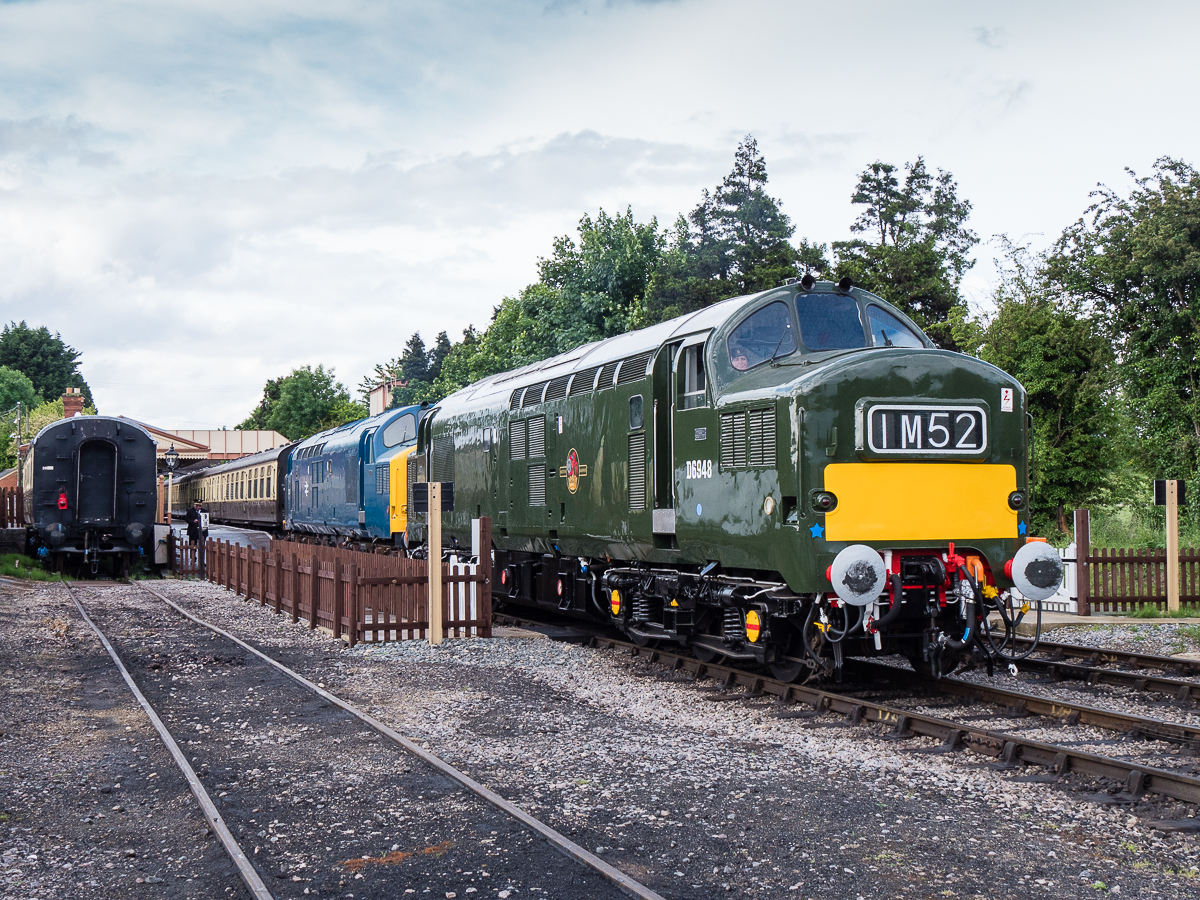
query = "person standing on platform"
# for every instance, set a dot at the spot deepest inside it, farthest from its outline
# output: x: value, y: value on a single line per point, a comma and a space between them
x: 194, y: 519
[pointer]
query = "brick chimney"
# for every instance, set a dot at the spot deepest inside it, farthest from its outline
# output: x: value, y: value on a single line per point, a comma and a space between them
x: 72, y: 402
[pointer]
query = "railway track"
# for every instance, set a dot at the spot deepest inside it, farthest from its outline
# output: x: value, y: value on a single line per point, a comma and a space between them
x: 1023, y: 703
x: 255, y: 724
x: 1010, y: 749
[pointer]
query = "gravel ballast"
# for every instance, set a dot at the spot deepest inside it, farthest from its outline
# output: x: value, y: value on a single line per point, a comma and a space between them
x: 699, y: 799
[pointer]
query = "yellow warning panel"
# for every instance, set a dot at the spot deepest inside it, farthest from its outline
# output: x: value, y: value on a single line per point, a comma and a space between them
x: 398, y: 501
x: 897, y: 501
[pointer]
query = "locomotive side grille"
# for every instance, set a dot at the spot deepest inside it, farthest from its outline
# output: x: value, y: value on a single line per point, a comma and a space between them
x: 733, y: 440
x: 383, y: 479
x: 634, y: 368
x: 606, y: 375
x: 537, y: 485
x: 514, y: 402
x: 762, y: 437
x: 557, y: 389
x: 637, y: 471
x: 537, y: 437
x: 584, y: 380
x: 443, y: 458
x: 516, y: 439
x: 533, y: 394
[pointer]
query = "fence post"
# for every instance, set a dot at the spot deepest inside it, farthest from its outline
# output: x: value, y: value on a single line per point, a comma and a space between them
x: 355, y: 602
x: 1083, y: 569
x: 434, y: 532
x: 297, y: 588
x: 316, y: 590
x: 484, y: 586
x: 339, y: 597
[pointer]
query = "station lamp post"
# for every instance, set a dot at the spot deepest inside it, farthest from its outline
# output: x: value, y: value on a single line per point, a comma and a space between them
x: 171, y: 457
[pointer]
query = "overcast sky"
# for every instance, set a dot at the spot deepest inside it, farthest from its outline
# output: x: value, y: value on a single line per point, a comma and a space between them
x: 200, y: 196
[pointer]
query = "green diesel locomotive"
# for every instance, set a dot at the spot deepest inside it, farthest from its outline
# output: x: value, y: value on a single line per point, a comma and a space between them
x: 788, y: 477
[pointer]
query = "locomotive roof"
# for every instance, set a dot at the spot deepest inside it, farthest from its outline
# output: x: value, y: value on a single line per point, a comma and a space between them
x: 348, y: 433
x: 605, y: 351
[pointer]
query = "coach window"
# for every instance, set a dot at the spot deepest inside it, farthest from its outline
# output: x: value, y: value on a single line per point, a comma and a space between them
x: 401, y: 431
x: 829, y: 322
x: 692, y: 383
x: 763, y: 336
x: 269, y: 473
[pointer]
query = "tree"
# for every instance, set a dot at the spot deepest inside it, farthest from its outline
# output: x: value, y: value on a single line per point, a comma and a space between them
x: 920, y: 244
x: 17, y: 398
x: 736, y: 241
x: 1064, y: 360
x: 437, y: 355
x: 414, y: 361
x: 308, y: 400
x: 44, y: 359
x: 16, y: 388
x: 1136, y: 261
x: 259, y: 419
x: 596, y: 288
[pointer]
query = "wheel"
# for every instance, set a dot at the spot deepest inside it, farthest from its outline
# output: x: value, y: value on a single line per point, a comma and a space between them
x: 788, y: 671
x: 926, y: 669
x: 640, y: 639
x: 705, y: 654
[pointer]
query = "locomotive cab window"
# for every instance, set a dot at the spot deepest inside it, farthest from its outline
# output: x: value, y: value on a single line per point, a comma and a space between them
x: 763, y: 336
x: 830, y: 322
x: 401, y: 431
x: 693, y: 386
x: 888, y: 331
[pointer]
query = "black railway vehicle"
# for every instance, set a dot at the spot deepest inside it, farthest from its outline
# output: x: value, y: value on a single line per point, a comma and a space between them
x: 786, y: 478
x: 91, y: 491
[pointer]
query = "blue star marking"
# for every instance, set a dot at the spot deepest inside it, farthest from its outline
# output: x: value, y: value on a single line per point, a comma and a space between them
x: 1021, y: 529
x: 816, y: 530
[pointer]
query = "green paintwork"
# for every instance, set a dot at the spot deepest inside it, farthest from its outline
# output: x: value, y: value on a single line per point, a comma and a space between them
x: 810, y: 395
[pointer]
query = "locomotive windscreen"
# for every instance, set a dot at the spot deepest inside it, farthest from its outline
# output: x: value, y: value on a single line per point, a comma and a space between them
x: 829, y: 322
x: 97, y: 482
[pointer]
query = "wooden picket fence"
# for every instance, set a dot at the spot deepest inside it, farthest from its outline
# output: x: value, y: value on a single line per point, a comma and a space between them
x: 366, y: 597
x: 1126, y: 580
x: 1123, y: 581
x: 12, y: 508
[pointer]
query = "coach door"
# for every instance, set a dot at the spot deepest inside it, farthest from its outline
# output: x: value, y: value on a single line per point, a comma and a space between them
x: 97, y: 491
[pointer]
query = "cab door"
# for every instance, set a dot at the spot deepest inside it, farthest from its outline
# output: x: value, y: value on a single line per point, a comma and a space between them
x: 659, y: 419
x: 694, y: 439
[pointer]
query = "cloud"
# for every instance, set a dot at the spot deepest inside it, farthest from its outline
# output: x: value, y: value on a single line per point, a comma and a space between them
x: 43, y: 139
x: 992, y: 38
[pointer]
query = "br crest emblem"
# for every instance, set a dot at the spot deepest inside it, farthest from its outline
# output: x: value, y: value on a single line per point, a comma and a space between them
x: 573, y: 471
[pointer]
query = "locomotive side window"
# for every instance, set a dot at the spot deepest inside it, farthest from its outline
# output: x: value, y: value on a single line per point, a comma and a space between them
x: 888, y: 331
x: 401, y: 431
x: 637, y: 415
x: 692, y: 383
x: 829, y: 322
x: 763, y: 336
